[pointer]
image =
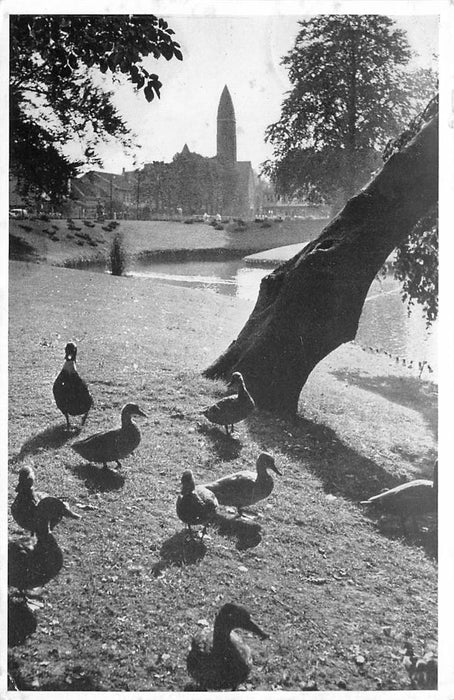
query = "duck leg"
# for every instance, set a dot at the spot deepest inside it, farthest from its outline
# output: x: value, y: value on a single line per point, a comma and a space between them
x: 68, y: 424
x: 84, y: 417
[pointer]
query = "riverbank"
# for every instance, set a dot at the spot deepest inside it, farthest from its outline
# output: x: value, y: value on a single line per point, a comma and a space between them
x: 72, y: 243
x: 337, y: 591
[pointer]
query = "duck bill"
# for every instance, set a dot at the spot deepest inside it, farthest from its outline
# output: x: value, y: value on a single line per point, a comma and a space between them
x: 71, y: 514
x: 275, y: 469
x: 141, y: 413
x: 256, y: 629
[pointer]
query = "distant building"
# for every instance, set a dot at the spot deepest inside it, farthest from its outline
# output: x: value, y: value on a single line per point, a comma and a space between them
x: 135, y: 194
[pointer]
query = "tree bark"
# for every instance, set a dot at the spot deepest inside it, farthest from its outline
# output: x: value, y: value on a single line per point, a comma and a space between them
x: 312, y: 303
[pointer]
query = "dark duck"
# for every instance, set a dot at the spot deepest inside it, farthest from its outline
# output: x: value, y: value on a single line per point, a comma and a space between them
x: 231, y: 409
x: 112, y: 445
x: 218, y: 658
x: 196, y: 505
x: 31, y: 563
x: 70, y: 391
x: 409, y: 500
x: 24, y: 506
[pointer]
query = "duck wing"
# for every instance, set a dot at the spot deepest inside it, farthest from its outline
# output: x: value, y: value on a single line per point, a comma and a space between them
x: 110, y: 445
x: 71, y: 394
x: 235, y: 489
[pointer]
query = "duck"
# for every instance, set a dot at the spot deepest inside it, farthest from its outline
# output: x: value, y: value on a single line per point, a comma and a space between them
x: 243, y: 489
x: 196, y: 505
x: 23, y: 508
x: 219, y: 659
x: 71, y: 393
x: 231, y: 409
x: 30, y: 563
x: 408, y: 500
x: 22, y: 620
x: 112, y: 445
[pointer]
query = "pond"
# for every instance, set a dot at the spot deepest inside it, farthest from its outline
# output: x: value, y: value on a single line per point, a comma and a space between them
x: 384, y: 323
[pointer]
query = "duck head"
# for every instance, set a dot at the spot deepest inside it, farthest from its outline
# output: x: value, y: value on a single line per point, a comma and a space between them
x: 236, y: 381
x: 132, y: 409
x: 266, y: 461
x: 70, y: 352
x: 26, y: 479
x: 50, y: 509
x: 187, y: 482
x: 232, y: 616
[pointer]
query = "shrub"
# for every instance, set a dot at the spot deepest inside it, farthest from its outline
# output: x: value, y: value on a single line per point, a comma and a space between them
x: 117, y: 256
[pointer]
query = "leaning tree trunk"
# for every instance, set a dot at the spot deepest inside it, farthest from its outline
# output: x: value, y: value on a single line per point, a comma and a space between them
x: 312, y: 303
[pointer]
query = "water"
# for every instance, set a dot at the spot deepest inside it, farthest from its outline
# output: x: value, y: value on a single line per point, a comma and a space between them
x: 384, y: 323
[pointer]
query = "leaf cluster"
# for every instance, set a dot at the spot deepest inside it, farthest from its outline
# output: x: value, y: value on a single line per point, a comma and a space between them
x: 55, y: 61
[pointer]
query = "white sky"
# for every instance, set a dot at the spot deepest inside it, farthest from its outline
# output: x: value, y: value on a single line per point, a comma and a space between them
x: 242, y: 52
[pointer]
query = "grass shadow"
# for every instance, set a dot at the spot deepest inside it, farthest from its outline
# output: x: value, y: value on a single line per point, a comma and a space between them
x: 341, y: 470
x: 248, y: 534
x: 179, y: 550
x: 226, y: 447
x: 51, y: 438
x: 98, y: 479
x: 411, y: 392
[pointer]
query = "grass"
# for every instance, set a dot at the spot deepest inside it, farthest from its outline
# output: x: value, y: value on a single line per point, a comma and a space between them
x: 338, y: 592
x: 156, y: 237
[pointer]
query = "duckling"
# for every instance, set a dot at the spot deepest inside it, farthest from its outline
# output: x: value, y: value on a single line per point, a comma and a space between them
x: 23, y: 508
x: 196, y: 505
x: 70, y: 391
x: 33, y: 564
x: 231, y: 409
x: 411, y: 499
x: 221, y: 659
x: 243, y: 489
x: 112, y: 445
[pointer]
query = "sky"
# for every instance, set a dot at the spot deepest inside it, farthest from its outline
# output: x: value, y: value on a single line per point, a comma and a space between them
x: 242, y: 52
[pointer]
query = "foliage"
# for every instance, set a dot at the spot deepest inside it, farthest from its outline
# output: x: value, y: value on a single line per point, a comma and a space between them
x: 55, y: 92
x: 117, y: 256
x: 416, y: 263
x: 350, y: 94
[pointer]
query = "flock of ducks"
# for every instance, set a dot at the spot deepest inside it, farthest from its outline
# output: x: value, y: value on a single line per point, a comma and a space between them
x: 218, y: 658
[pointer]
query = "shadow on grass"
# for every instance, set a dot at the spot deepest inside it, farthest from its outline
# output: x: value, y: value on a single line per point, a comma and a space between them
x: 97, y: 479
x: 342, y: 471
x: 179, y: 550
x: 51, y: 438
x: 410, y: 392
x: 226, y: 446
x: 247, y: 533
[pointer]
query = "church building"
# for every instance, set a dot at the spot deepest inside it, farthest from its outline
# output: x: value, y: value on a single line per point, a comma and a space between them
x: 194, y: 182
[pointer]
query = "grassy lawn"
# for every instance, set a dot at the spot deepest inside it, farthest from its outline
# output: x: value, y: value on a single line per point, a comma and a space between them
x: 58, y: 241
x: 337, y: 592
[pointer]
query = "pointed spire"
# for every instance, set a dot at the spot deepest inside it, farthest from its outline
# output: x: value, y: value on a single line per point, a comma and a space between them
x: 185, y: 150
x: 226, y: 134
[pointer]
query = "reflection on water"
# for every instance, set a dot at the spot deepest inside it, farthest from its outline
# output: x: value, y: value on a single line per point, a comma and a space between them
x: 384, y: 323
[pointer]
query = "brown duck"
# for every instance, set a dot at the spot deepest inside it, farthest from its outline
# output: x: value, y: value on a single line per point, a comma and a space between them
x: 112, y: 445
x: 231, y: 409
x: 71, y: 393
x: 218, y: 658
x: 30, y: 563
x: 23, y: 508
x: 414, y: 498
x: 196, y: 505
x: 243, y: 489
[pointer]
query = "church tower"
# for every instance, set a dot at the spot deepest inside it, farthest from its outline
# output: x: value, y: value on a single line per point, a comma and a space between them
x: 226, y: 134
